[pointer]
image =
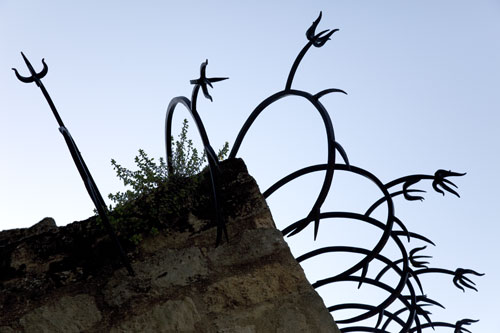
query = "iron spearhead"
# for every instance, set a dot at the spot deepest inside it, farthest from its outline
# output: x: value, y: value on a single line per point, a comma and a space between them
x: 35, y: 77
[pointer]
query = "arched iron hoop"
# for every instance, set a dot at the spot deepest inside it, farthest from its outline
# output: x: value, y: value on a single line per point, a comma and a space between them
x: 409, y: 266
x: 359, y: 306
x: 373, y: 310
x: 403, y: 272
x: 213, y: 162
x: 327, y: 122
x: 297, y: 226
x: 400, y: 266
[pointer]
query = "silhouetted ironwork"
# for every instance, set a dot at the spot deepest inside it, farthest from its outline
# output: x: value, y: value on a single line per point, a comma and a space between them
x: 90, y: 185
x: 408, y: 291
x: 213, y: 161
x: 409, y: 267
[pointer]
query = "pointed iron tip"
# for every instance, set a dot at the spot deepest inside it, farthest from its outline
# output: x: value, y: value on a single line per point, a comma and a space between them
x: 217, y: 79
x: 316, y: 229
x: 25, y: 59
x: 203, y: 67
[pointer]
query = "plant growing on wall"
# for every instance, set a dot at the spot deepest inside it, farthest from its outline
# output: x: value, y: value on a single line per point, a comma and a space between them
x: 404, y: 308
x: 157, y: 191
x: 154, y: 195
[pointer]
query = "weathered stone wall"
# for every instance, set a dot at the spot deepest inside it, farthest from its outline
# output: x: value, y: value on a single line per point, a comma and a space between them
x: 67, y: 280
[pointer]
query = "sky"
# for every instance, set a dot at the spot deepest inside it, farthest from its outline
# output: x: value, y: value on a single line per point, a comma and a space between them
x: 421, y: 77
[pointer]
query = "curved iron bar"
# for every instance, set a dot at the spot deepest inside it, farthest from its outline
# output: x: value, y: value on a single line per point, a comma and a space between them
x: 438, y: 179
x: 306, y: 170
x: 317, y: 40
x: 386, y: 269
x: 350, y: 306
x: 296, y: 174
x: 403, y: 272
x: 85, y: 174
x: 395, y: 317
x: 414, y: 263
x: 389, y: 264
x: 213, y: 162
x: 363, y: 329
x: 314, y: 213
x: 303, y: 171
x: 296, y: 227
x: 457, y: 326
x: 459, y: 278
x: 411, y: 318
x: 413, y: 235
x: 440, y: 184
x: 424, y: 313
x: 380, y: 201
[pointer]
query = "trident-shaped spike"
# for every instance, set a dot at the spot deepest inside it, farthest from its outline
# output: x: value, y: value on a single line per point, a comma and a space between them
x: 35, y: 77
x: 77, y: 158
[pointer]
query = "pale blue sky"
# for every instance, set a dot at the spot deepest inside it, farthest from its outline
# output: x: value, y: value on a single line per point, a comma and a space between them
x: 422, y: 78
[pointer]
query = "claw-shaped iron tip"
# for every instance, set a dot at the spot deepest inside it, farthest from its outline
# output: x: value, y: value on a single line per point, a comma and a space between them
x: 415, y: 263
x: 319, y: 39
x: 35, y: 77
x: 463, y: 322
x: 440, y: 180
x: 461, y: 281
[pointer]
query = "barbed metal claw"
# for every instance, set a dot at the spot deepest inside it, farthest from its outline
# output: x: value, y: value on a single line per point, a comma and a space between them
x: 460, y: 323
x: 320, y: 38
x: 406, y: 191
x: 440, y: 179
x: 35, y: 77
x: 409, y: 266
x: 429, y: 301
x: 424, y: 301
x: 461, y: 281
x: 204, y: 81
x: 415, y: 263
x: 424, y: 313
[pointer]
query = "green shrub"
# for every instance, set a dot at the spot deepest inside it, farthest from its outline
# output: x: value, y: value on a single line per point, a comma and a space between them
x: 154, y: 198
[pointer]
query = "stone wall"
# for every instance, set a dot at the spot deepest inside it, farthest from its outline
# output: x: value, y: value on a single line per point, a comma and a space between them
x: 67, y: 279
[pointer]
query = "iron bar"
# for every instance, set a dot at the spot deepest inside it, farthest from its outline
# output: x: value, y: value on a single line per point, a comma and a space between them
x: 213, y: 162
x: 408, y: 266
x: 85, y: 174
